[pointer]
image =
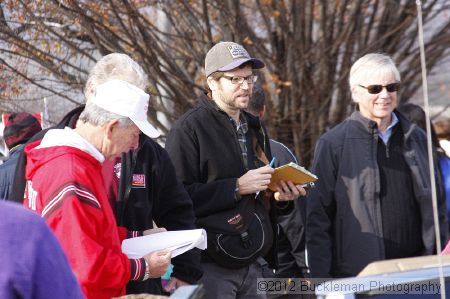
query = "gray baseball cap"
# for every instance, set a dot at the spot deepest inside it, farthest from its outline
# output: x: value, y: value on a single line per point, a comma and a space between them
x: 225, y: 56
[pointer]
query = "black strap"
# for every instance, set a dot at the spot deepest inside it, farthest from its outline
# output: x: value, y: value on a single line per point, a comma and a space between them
x: 124, y: 188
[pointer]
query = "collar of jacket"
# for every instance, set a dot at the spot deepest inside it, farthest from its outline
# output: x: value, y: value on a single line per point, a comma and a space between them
x: 252, y: 121
x: 16, y: 148
x: 368, y: 124
x: 71, y: 118
x: 407, y: 126
x: 371, y: 126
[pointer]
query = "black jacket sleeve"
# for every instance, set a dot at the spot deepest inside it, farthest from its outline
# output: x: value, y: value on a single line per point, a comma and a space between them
x: 209, y: 197
x: 320, y: 212
x: 174, y: 211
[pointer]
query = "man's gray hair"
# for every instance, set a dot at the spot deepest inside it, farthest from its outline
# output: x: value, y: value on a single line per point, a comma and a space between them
x: 115, y: 66
x: 369, y: 66
x: 97, y: 116
x: 112, y: 66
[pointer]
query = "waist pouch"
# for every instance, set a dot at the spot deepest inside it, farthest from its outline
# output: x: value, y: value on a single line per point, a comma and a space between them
x: 237, y: 237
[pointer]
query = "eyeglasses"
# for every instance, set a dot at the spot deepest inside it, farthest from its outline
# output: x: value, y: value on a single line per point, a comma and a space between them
x: 376, y: 89
x: 239, y: 80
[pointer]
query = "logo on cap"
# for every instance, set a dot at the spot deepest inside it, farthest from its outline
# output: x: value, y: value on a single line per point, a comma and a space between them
x: 238, y: 51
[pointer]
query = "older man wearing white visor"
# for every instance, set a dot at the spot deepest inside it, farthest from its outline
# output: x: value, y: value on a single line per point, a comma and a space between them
x: 65, y: 186
x: 125, y: 99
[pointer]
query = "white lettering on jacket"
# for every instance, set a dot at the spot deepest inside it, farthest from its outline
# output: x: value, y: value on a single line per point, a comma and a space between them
x: 32, y: 195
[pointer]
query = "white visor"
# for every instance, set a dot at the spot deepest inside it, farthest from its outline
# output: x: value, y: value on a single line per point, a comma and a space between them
x: 125, y: 99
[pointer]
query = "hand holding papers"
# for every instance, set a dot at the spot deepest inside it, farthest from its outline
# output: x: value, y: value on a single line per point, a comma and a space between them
x: 291, y: 172
x: 176, y: 241
x: 156, y: 263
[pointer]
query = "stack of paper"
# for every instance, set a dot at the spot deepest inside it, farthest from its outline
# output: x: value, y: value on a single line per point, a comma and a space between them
x: 176, y: 241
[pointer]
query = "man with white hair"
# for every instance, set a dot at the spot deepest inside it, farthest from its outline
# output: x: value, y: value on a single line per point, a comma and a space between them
x: 65, y: 186
x: 373, y: 197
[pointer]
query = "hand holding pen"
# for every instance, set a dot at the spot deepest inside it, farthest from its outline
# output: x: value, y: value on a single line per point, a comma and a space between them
x: 255, y: 180
x: 271, y: 164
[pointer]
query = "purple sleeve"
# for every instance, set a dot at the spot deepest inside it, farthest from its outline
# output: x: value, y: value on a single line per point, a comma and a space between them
x: 33, y: 264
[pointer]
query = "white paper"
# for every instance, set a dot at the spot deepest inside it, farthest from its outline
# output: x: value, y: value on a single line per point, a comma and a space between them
x: 177, y: 242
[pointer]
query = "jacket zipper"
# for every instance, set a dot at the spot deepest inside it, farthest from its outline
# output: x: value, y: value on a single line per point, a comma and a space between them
x: 132, y: 166
x: 387, y: 148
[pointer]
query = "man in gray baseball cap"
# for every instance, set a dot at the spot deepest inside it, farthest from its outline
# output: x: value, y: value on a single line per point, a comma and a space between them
x: 225, y: 56
x: 221, y: 154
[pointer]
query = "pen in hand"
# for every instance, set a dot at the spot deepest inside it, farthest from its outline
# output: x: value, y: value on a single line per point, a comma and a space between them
x: 272, y: 162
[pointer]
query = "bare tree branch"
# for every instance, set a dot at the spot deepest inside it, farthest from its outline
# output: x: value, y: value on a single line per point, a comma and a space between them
x: 308, y: 48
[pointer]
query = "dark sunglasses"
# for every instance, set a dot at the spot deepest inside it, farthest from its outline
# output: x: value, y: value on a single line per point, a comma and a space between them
x: 376, y: 89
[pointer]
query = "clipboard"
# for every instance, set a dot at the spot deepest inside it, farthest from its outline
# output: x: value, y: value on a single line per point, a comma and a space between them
x: 291, y: 172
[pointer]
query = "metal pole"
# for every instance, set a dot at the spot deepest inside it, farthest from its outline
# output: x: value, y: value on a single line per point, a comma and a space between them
x: 430, y: 147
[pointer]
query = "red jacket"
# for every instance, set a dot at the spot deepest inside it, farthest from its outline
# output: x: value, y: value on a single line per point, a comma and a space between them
x: 65, y: 186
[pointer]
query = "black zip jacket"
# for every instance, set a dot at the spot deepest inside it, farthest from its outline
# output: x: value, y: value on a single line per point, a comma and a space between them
x: 163, y: 200
x: 344, y: 230
x: 204, y: 148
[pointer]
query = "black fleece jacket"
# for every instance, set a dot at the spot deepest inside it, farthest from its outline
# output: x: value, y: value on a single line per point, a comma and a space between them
x: 204, y: 148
